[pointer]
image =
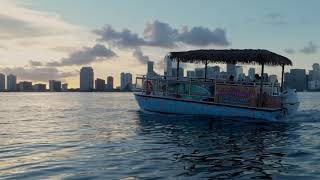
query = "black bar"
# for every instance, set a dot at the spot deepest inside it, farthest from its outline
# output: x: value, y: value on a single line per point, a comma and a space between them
x: 261, y: 86
x: 205, y: 70
x: 282, y: 77
x: 178, y: 64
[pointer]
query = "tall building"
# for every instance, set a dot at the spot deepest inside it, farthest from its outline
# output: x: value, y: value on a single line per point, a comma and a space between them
x: 239, y: 72
x: 64, y: 87
x: 199, y: 72
x: 100, y: 84
x: 2, y: 82
x: 273, y: 78
x: 231, y: 69
x: 191, y: 74
x: 25, y: 86
x: 297, y: 79
x: 251, y: 73
x: 86, y: 79
x: 315, y: 72
x: 40, y: 87
x: 181, y: 72
x: 55, y: 86
x: 126, y: 82
x: 11, y: 82
x: 109, y: 86
x: 167, y: 66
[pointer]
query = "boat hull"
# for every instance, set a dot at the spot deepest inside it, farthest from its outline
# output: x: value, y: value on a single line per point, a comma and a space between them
x: 170, y: 105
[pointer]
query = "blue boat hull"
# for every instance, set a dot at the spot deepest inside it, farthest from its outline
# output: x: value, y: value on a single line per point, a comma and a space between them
x: 171, y: 105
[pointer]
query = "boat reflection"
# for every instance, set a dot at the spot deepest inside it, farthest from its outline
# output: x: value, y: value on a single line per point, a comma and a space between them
x: 219, y: 148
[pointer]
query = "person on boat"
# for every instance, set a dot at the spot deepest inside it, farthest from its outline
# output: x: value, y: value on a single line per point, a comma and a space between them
x: 231, y: 78
x: 257, y: 78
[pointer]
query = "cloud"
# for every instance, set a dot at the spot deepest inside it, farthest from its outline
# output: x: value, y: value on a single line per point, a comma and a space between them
x: 201, y: 36
x: 85, y: 56
x: 137, y: 53
x: 289, y: 51
x: 122, y: 39
x: 38, y: 73
x: 160, y: 34
x: 35, y: 63
x: 310, y: 48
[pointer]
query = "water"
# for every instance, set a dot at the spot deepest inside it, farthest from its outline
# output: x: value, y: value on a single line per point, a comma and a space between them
x: 105, y: 136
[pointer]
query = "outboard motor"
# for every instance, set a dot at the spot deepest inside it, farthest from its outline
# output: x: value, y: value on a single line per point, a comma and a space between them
x: 290, y: 101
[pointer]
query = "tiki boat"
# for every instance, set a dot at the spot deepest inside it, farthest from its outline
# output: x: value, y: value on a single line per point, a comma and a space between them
x: 216, y: 97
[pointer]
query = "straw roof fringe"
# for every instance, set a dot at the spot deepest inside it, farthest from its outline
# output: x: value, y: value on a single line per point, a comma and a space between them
x: 231, y: 56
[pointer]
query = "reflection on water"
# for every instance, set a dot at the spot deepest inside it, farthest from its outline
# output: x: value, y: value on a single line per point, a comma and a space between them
x: 218, y: 148
x: 105, y: 136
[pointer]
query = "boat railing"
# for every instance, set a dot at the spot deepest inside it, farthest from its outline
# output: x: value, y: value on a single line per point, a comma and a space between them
x: 196, y: 88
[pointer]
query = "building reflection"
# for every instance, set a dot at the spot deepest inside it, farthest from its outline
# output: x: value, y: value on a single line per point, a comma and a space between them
x: 219, y: 148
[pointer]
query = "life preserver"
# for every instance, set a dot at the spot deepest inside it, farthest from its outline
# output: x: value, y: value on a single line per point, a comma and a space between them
x: 149, y: 87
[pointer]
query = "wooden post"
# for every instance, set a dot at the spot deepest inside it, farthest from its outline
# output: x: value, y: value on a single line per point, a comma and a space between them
x: 282, y: 77
x: 261, y: 86
x: 178, y: 64
x: 205, y: 70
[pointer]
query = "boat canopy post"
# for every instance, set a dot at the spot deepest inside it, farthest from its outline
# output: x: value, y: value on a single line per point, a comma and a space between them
x: 282, y: 76
x: 205, y: 69
x: 261, y: 86
x: 178, y: 64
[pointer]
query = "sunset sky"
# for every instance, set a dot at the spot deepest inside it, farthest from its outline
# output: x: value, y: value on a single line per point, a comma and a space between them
x: 52, y: 39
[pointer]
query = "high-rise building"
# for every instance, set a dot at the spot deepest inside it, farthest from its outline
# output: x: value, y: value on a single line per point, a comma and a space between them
x: 100, y: 84
x: 86, y: 79
x: 11, y: 82
x: 126, y: 82
x: 239, y: 72
x: 2, y: 82
x: 25, y: 86
x: 167, y: 66
x: 273, y: 78
x: 40, y: 87
x: 297, y: 79
x: 251, y: 73
x: 199, y: 72
x: 109, y: 86
x: 55, y: 86
x: 315, y: 72
x: 181, y: 72
x: 191, y: 74
x: 231, y: 69
x: 64, y: 87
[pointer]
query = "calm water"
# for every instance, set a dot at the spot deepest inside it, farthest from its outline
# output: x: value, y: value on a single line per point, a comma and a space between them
x: 104, y: 136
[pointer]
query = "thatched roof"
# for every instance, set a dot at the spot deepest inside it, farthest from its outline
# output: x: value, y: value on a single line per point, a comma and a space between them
x: 232, y: 56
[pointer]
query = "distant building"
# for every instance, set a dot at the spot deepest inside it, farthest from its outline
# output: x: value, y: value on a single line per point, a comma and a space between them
x: 86, y: 79
x: 296, y: 79
x: 25, y: 86
x: 40, y: 87
x: 231, y: 70
x: 55, y: 86
x: 191, y: 74
x: 167, y: 66
x: 181, y: 72
x: 273, y: 78
x: 126, y: 82
x: 11, y: 83
x: 64, y: 87
x: 100, y: 84
x: 109, y: 86
x: 239, y: 72
x: 2, y: 82
x: 199, y: 72
x: 314, y: 85
x: 251, y: 73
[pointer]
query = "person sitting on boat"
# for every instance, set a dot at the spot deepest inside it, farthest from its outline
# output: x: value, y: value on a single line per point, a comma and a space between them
x: 231, y: 78
x: 256, y: 78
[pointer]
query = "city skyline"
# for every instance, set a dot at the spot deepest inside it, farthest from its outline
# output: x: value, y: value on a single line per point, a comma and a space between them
x: 33, y: 31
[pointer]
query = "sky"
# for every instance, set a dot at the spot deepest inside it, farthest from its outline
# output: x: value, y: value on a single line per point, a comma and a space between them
x: 53, y: 39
